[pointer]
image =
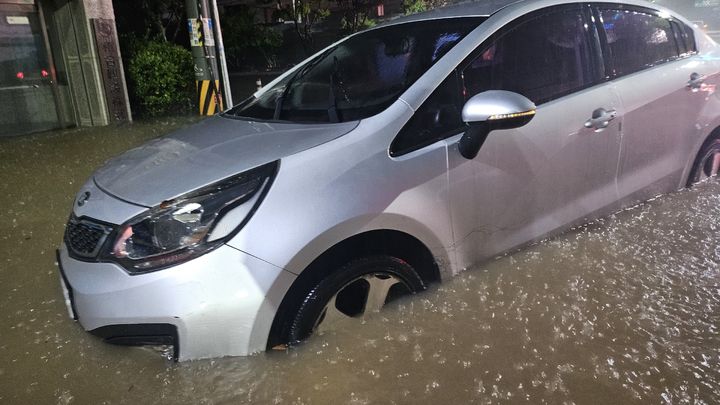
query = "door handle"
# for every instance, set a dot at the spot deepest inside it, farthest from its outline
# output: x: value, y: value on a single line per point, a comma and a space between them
x: 696, y: 81
x: 600, y: 119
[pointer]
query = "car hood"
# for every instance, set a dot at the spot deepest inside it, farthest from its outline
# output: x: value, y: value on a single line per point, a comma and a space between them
x: 204, y: 153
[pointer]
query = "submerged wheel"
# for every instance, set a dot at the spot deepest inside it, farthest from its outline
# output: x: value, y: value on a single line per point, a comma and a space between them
x: 357, y: 289
x: 707, y: 163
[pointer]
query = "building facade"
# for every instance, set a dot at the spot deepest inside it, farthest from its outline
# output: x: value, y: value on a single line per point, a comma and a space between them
x: 60, y: 66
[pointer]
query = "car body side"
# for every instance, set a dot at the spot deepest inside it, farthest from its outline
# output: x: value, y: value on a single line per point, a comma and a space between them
x: 351, y: 185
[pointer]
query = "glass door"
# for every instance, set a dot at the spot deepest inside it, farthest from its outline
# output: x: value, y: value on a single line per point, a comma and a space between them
x: 27, y: 102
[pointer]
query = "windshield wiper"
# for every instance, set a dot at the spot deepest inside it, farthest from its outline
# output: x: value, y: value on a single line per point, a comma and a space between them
x: 298, y: 75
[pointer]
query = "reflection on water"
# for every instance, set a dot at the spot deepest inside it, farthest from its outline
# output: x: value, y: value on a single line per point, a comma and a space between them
x: 625, y: 310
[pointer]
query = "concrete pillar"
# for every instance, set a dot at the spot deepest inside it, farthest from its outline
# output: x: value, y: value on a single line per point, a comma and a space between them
x: 102, y: 18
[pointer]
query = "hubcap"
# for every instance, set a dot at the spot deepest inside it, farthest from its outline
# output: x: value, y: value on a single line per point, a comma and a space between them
x: 357, y: 299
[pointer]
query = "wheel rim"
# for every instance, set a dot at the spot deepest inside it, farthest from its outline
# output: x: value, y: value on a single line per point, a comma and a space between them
x: 372, y: 291
x: 710, y: 165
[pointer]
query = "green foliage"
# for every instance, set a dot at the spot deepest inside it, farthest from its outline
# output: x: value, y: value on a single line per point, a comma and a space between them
x: 242, y: 36
x: 162, y: 78
x: 414, y: 6
x: 356, y: 14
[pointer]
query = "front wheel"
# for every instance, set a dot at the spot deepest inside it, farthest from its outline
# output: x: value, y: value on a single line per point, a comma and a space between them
x: 707, y: 163
x: 357, y: 289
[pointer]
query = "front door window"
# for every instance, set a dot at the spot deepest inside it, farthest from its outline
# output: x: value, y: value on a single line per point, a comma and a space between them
x: 544, y: 58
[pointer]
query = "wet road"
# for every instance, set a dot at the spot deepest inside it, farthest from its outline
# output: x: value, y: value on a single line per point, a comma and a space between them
x: 625, y: 310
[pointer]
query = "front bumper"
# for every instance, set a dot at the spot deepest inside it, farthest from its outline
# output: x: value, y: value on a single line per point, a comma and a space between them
x: 219, y: 304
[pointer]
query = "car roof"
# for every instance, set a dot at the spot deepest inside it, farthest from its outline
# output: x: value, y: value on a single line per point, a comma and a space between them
x: 477, y: 8
x: 466, y: 8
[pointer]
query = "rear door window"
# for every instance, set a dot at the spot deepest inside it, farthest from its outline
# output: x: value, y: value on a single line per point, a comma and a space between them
x: 688, y: 35
x: 680, y: 38
x: 637, y: 38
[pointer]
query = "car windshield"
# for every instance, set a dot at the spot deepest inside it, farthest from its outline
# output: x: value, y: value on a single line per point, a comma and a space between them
x: 360, y: 76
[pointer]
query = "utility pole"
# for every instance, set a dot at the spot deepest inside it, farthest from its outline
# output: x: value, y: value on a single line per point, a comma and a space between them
x: 202, y: 45
x: 221, y: 55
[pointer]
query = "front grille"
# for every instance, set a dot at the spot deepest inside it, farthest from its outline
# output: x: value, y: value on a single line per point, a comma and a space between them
x: 84, y: 237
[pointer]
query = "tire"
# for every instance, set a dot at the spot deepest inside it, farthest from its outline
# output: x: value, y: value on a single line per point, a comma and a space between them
x: 706, y: 163
x: 350, y: 289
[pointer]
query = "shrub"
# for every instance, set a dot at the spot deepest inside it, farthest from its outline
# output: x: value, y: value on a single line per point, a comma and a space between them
x: 413, y: 6
x: 162, y: 78
x: 359, y: 23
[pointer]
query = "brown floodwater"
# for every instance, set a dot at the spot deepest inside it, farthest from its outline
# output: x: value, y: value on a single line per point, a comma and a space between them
x: 625, y: 310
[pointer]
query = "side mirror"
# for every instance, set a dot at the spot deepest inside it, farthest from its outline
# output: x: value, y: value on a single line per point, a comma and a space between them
x: 491, y: 110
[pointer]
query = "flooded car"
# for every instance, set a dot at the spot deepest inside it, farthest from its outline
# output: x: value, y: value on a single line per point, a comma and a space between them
x: 390, y: 160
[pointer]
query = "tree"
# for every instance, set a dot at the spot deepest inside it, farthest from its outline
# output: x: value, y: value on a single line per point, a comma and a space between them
x: 150, y: 20
x: 153, y: 42
x: 243, y: 36
x: 305, y: 15
x: 356, y: 14
x: 418, y: 6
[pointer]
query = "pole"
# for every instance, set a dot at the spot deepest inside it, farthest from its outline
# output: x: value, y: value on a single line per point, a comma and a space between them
x: 202, y: 45
x: 221, y: 55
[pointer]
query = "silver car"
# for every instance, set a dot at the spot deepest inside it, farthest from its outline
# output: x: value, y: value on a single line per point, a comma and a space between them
x: 390, y: 160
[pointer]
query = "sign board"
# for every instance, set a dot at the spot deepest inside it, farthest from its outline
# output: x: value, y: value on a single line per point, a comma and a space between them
x: 201, y: 32
x: 208, y: 32
x: 193, y: 25
x: 17, y: 20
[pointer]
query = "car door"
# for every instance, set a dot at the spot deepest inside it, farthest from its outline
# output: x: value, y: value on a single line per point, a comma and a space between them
x: 658, y: 76
x: 560, y: 168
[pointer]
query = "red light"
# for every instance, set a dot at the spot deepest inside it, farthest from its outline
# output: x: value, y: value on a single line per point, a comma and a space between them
x: 20, y: 75
x: 44, y: 73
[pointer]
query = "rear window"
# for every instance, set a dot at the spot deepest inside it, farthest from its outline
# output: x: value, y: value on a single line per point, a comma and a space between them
x: 361, y: 76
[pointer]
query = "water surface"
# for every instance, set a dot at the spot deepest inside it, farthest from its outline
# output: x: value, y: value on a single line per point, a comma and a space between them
x: 625, y: 310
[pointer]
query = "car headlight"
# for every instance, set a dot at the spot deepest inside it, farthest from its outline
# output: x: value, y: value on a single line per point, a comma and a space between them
x: 191, y: 225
